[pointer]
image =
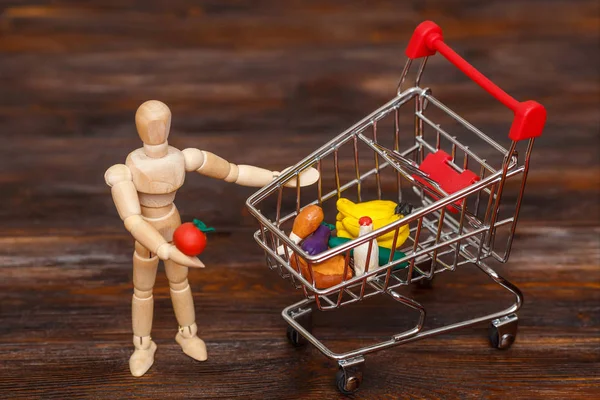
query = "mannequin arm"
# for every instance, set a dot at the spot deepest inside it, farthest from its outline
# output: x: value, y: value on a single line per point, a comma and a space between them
x: 125, y: 197
x: 209, y: 164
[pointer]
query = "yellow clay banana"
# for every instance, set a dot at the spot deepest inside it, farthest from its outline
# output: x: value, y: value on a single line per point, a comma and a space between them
x: 402, y: 236
x: 382, y: 212
x: 351, y: 225
x: 341, y: 232
x: 376, y: 209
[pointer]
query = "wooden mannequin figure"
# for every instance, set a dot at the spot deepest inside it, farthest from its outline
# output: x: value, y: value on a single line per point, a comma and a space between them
x: 143, y: 190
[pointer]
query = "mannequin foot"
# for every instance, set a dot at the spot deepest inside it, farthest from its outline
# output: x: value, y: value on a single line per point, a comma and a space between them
x: 143, y: 357
x: 190, y: 343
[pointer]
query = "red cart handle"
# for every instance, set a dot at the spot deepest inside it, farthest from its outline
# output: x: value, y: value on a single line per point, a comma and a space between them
x: 530, y: 116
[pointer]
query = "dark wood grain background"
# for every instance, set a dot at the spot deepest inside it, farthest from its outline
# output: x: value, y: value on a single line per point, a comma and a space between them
x: 266, y: 82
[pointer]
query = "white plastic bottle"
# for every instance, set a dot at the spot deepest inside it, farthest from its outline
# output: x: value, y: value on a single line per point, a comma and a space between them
x: 360, y: 252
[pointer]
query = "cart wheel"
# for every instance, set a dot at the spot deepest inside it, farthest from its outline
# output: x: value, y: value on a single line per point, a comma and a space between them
x: 503, y: 331
x: 346, y: 382
x: 295, y: 338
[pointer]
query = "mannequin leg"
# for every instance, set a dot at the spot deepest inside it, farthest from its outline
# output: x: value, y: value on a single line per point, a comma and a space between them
x: 142, y: 307
x: 183, y: 305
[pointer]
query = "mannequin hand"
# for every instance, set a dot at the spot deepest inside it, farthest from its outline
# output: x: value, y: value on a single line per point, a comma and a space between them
x: 168, y: 251
x: 307, y: 177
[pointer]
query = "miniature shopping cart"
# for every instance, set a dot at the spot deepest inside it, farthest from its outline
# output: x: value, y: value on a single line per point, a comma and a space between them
x: 413, y: 149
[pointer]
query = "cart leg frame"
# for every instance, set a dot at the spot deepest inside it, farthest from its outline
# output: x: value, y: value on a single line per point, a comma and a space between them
x: 503, y: 329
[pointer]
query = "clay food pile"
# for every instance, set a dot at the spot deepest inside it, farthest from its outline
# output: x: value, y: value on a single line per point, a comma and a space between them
x: 352, y: 220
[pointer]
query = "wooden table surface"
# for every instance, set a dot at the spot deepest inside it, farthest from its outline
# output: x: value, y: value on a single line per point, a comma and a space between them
x: 267, y: 82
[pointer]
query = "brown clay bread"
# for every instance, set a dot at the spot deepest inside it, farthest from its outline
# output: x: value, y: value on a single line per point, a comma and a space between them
x: 326, y: 274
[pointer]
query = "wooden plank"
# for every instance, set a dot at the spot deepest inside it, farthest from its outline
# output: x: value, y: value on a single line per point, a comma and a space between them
x: 267, y: 82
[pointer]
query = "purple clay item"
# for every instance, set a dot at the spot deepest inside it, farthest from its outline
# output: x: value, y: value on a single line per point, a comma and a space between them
x: 317, y: 242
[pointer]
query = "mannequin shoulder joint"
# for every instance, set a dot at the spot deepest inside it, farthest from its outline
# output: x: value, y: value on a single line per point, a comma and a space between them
x: 194, y: 159
x: 116, y: 174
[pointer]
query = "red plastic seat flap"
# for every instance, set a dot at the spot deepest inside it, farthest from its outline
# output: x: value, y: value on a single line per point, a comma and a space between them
x: 436, y: 166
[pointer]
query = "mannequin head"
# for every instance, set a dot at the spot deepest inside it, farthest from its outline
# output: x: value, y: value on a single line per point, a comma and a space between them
x: 153, y: 122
